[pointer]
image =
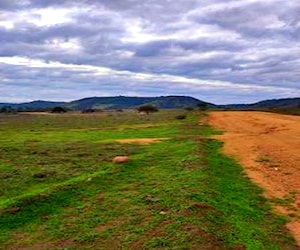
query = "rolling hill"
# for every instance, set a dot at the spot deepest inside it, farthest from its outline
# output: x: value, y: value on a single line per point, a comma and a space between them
x: 32, y: 106
x: 123, y: 102
x: 162, y: 102
x: 267, y: 104
x: 116, y: 102
x: 278, y: 103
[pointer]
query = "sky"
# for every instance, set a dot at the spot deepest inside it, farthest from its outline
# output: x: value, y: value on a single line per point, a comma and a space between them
x: 220, y: 51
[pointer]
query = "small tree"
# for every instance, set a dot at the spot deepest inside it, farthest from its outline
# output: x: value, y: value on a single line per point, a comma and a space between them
x: 189, y: 108
x: 88, y: 111
x: 59, y: 110
x: 147, y: 109
x: 202, y: 106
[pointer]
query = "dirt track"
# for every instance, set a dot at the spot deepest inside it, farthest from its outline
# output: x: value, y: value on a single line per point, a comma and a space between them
x: 268, y: 146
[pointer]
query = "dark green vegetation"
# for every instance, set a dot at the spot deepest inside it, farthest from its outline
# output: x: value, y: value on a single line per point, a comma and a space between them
x: 117, y: 102
x: 289, y: 106
x: 147, y: 109
x: 59, y: 189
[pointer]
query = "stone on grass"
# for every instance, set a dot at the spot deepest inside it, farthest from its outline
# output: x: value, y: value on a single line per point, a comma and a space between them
x: 120, y: 159
x: 151, y: 198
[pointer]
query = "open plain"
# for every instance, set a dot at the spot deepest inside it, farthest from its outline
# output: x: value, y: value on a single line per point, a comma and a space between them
x: 60, y: 189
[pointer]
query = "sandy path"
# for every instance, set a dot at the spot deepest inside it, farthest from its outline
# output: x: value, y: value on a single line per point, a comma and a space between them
x: 268, y: 146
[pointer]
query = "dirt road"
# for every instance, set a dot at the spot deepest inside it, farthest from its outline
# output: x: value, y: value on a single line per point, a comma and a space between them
x: 268, y: 147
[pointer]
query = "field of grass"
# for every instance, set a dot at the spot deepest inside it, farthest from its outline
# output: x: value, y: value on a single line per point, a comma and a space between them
x: 59, y: 189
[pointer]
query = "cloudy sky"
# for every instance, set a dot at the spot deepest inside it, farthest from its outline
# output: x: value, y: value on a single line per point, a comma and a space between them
x: 221, y: 51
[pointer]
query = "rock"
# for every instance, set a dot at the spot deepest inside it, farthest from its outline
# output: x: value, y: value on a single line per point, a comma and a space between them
x: 163, y: 212
x: 120, y: 159
x: 151, y: 198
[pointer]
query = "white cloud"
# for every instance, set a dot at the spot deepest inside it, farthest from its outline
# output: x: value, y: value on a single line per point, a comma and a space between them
x: 7, y: 24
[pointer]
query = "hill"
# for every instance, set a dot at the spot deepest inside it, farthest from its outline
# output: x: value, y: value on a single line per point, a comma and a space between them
x: 290, y: 106
x: 40, y: 105
x: 31, y: 106
x: 278, y: 103
x: 123, y: 102
x: 267, y: 104
x: 116, y: 102
x: 162, y: 102
x: 4, y: 104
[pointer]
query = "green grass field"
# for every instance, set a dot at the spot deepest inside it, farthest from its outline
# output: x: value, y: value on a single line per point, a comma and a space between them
x: 59, y: 189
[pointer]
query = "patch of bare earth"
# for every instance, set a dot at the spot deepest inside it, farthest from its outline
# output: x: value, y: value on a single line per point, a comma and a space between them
x: 156, y: 232
x: 206, y: 240
x: 268, y: 147
x: 111, y: 224
x: 143, y: 141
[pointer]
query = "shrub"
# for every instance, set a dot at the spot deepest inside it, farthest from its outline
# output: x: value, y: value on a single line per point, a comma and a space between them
x: 189, y: 108
x: 59, y: 110
x: 180, y: 117
x: 147, y: 109
x: 202, y: 106
x: 87, y: 111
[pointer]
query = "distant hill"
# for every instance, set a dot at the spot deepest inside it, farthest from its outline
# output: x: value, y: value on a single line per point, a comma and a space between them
x: 32, y: 106
x: 116, y: 102
x: 4, y: 104
x: 123, y: 102
x: 162, y: 102
x: 41, y: 104
x: 268, y: 104
x: 278, y: 103
x: 169, y: 102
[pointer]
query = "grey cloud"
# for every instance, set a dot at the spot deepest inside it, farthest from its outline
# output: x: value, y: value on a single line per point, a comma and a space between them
x: 12, y: 4
x: 195, y: 45
x: 255, y: 19
x: 251, y: 42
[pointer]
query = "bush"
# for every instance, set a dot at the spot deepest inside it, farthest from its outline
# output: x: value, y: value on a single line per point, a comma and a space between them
x: 202, y: 106
x: 147, y: 109
x: 189, y: 108
x: 59, y: 110
x: 180, y: 117
x: 88, y: 111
